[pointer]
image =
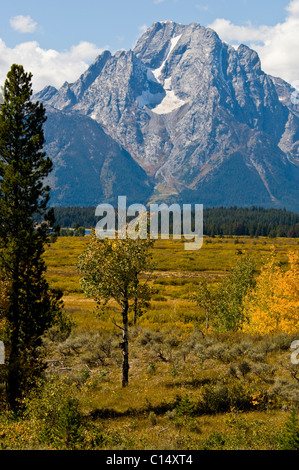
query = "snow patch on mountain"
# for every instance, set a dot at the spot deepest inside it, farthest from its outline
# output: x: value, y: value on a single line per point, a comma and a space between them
x: 173, y: 42
x: 149, y: 99
x: 171, y: 102
x: 161, y: 103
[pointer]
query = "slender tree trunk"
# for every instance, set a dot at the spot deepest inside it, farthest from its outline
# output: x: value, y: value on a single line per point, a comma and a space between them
x: 135, y: 310
x: 136, y: 301
x: 125, y: 345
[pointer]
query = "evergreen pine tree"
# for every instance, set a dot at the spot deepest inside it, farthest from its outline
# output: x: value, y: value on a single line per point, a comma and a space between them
x: 290, y: 437
x: 31, y: 307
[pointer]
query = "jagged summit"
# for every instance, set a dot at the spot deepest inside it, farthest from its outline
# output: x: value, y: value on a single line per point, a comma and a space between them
x: 200, y: 117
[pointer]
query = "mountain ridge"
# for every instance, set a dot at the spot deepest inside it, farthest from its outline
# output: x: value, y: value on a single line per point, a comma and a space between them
x: 201, y: 118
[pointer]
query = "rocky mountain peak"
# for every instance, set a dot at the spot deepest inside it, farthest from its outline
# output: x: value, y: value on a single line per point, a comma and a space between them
x: 157, y: 38
x: 200, y: 117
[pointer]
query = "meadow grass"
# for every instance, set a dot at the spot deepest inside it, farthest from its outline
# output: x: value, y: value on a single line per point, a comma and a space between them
x: 175, y: 278
x: 187, y: 389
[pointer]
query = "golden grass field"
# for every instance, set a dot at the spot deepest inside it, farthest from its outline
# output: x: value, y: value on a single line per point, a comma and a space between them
x: 176, y: 275
x: 186, y: 391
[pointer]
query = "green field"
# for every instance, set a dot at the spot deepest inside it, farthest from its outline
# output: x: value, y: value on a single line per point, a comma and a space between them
x: 176, y: 275
x: 187, y: 390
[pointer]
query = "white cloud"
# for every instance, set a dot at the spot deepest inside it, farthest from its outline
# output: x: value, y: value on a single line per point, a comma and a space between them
x: 23, y: 24
x: 142, y: 28
x: 158, y: 1
x: 277, y: 45
x: 293, y: 8
x: 245, y: 33
x: 48, y: 66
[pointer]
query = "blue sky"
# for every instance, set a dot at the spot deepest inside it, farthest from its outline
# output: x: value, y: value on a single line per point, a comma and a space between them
x: 116, y: 23
x: 58, y: 39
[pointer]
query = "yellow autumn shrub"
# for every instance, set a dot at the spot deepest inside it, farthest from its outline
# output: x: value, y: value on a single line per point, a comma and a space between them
x: 273, y: 306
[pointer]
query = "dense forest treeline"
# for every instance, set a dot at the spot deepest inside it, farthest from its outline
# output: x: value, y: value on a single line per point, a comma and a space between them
x: 253, y: 222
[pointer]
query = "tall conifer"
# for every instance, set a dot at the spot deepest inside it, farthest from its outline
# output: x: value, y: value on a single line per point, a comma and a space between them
x: 31, y: 307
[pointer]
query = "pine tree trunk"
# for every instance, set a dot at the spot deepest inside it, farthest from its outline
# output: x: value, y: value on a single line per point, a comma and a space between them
x: 125, y: 345
x: 135, y: 310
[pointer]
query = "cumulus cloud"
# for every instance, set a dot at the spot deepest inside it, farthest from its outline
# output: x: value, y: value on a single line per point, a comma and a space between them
x: 142, y: 28
x: 293, y: 8
x: 276, y: 45
x: 231, y: 32
x: 48, y: 66
x: 23, y: 24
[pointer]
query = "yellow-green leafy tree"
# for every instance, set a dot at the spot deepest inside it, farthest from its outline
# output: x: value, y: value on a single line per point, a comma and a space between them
x: 110, y: 270
x: 273, y: 306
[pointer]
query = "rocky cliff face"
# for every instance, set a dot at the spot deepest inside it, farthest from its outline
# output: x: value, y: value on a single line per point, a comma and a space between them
x: 89, y: 167
x: 201, y: 118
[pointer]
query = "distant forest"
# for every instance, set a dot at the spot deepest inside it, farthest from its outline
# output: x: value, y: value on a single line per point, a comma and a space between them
x: 252, y: 222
